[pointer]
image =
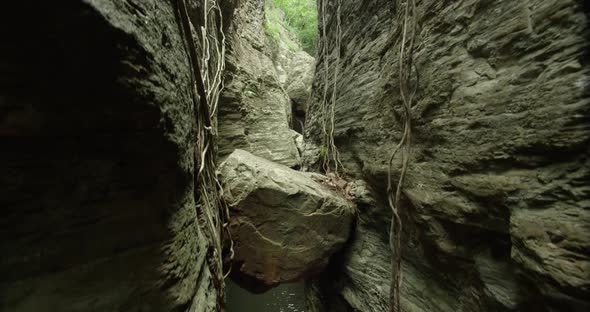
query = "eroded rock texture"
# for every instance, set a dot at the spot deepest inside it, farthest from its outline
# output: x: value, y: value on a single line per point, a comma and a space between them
x: 97, y: 206
x: 496, y: 210
x: 255, y: 110
x: 294, y: 67
x: 285, y: 224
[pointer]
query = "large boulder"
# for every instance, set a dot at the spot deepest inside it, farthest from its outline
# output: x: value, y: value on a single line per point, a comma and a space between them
x: 296, y: 70
x: 285, y: 224
x: 300, y: 77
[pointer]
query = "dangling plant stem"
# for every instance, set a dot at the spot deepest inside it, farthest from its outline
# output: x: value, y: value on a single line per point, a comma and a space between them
x: 326, y: 60
x: 330, y: 157
x: 205, y: 95
x: 394, y: 198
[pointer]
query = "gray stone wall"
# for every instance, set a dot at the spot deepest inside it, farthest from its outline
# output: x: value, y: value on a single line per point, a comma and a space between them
x: 254, y: 109
x: 496, y: 203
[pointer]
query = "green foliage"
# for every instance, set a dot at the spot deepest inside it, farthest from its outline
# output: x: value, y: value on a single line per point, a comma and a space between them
x: 272, y: 29
x: 301, y: 18
x: 271, y: 26
x: 323, y: 152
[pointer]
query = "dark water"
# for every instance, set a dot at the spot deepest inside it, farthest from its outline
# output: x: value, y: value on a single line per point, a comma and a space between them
x: 284, y: 298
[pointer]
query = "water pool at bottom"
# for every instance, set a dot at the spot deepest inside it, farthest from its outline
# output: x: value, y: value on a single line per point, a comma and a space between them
x: 284, y: 298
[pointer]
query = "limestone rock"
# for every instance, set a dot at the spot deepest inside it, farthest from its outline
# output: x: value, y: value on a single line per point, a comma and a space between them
x: 299, y: 79
x: 500, y: 281
x: 499, y: 175
x: 294, y: 66
x: 295, y: 70
x: 285, y: 224
x: 548, y: 243
x: 254, y: 110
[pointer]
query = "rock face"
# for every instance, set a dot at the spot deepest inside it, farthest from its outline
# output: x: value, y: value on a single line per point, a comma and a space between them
x: 496, y: 203
x: 299, y: 78
x: 97, y: 207
x: 294, y: 66
x: 298, y: 86
x: 254, y: 109
x: 284, y: 223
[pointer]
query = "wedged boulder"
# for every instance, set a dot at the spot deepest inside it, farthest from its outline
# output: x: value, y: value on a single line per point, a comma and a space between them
x: 300, y: 71
x: 285, y: 225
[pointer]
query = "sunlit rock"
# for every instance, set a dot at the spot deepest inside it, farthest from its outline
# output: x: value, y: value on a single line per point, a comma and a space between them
x: 285, y: 225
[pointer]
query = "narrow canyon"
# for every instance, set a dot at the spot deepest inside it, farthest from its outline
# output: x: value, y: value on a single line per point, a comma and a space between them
x: 295, y: 155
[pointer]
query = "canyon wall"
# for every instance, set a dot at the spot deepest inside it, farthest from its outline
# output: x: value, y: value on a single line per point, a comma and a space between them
x: 264, y: 75
x: 255, y: 110
x: 97, y: 134
x: 97, y: 205
x: 496, y: 204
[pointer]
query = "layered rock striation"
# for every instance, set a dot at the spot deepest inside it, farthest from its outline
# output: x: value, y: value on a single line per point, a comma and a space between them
x: 495, y: 209
x: 254, y: 109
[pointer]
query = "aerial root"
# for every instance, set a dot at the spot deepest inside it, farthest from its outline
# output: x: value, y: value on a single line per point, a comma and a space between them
x: 404, y: 145
x: 206, y: 89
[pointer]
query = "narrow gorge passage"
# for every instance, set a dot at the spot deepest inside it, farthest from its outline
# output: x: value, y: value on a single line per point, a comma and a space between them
x: 295, y: 155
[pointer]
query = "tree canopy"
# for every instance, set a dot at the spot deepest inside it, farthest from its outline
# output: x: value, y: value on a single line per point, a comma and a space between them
x: 301, y: 17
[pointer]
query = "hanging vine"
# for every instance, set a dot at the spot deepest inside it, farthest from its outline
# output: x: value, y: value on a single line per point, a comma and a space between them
x: 330, y: 155
x: 206, y: 85
x: 404, y: 145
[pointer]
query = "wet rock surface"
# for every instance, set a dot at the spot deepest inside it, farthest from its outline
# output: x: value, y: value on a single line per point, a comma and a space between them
x: 496, y: 211
x: 285, y: 225
x: 285, y: 297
